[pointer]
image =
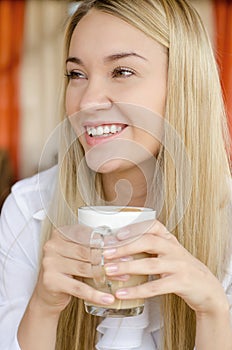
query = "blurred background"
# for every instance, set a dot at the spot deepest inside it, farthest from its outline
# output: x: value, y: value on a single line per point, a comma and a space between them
x: 31, y: 39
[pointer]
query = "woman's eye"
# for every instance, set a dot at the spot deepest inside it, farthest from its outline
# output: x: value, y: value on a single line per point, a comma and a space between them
x: 121, y: 72
x: 75, y: 75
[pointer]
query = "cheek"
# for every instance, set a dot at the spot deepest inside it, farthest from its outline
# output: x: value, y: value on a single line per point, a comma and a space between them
x: 71, y: 101
x: 68, y: 101
x: 148, y: 142
x: 156, y: 100
x: 151, y: 96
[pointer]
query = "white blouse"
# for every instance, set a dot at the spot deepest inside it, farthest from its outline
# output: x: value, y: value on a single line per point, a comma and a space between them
x: 20, y: 227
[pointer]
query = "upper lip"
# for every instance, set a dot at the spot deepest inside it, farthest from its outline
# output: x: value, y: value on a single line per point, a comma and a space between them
x: 98, y: 123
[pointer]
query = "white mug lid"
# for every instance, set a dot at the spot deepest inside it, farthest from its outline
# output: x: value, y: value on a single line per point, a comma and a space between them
x: 114, y: 217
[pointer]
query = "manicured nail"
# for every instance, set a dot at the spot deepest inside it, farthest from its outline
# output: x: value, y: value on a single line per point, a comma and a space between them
x: 121, y: 293
x: 107, y: 299
x: 123, y: 278
x: 109, y: 252
x: 126, y: 258
x: 111, y: 268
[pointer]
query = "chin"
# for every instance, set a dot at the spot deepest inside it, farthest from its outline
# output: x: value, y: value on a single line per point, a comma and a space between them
x: 109, y: 166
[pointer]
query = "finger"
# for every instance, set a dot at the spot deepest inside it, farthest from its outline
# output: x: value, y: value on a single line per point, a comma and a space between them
x: 160, y: 286
x: 148, y: 243
x: 74, y: 267
x: 138, y: 229
x: 83, y: 291
x: 74, y: 251
x: 63, y: 247
x: 122, y: 278
x: 147, y: 266
x: 78, y: 233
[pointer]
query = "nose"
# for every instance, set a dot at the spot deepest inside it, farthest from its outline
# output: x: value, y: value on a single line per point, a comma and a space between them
x: 95, y: 96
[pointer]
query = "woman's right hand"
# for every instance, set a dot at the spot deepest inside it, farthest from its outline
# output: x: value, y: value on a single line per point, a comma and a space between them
x: 64, y: 264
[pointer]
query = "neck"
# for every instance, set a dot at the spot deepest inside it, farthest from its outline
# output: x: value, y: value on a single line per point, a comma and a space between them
x: 129, y: 187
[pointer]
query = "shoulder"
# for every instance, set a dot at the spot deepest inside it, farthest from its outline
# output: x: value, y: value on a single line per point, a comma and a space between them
x: 36, y: 183
x: 31, y: 195
x: 22, y: 215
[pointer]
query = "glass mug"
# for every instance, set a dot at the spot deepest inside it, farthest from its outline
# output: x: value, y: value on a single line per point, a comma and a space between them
x: 105, y: 221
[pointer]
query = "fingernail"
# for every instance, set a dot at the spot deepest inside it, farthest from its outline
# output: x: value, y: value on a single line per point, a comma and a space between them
x: 111, y: 268
x: 123, y: 234
x: 109, y: 252
x: 107, y: 299
x: 121, y: 293
x: 126, y: 258
x: 123, y: 278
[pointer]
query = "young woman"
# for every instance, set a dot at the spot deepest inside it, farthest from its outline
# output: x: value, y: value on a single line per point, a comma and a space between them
x: 144, y: 126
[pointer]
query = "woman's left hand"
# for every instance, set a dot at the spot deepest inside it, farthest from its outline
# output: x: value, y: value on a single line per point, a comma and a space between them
x: 179, y: 272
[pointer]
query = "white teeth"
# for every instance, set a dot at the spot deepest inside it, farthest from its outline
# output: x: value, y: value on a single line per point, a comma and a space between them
x: 93, y: 132
x: 113, y: 129
x: 100, y: 131
x: 103, y: 130
x: 106, y: 129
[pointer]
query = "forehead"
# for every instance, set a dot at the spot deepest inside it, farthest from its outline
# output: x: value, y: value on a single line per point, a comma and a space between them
x: 100, y: 33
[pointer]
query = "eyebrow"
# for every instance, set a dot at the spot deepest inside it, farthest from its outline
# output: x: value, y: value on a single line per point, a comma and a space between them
x: 118, y: 56
x: 75, y: 60
x: 110, y: 58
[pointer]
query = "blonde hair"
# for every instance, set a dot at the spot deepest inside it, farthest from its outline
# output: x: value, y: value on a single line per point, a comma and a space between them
x: 194, y: 107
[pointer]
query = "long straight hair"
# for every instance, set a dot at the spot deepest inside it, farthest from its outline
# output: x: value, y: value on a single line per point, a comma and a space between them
x: 194, y: 107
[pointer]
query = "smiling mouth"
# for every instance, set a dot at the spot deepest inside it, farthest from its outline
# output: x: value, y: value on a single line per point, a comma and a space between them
x: 104, y: 130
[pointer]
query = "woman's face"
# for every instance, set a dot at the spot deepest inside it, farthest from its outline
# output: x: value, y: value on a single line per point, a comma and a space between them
x: 117, y: 83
